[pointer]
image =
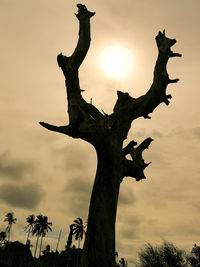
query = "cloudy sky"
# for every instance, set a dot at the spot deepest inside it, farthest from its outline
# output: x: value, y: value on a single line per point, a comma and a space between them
x: 44, y: 172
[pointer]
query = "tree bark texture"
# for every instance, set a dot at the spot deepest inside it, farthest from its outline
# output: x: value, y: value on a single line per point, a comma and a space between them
x: 107, y: 134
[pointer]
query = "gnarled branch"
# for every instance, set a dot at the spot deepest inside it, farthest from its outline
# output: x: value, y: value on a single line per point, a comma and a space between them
x: 82, y: 116
x: 128, y: 108
x: 135, y: 167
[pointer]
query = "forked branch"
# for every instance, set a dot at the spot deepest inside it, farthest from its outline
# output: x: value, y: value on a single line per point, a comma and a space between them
x: 128, y: 108
x: 83, y: 117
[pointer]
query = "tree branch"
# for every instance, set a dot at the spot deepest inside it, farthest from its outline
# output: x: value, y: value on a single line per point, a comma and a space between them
x: 82, y: 116
x: 84, y: 35
x: 72, y: 63
x: 59, y: 129
x: 128, y: 108
x: 135, y: 167
x: 127, y: 149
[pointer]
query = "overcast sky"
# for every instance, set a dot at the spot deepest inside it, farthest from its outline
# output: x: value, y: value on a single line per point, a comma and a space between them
x: 44, y: 172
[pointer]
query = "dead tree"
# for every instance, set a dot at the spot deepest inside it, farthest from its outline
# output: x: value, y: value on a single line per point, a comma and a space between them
x: 107, y: 134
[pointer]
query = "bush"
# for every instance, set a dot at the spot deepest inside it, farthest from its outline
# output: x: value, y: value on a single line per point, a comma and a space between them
x: 165, y: 255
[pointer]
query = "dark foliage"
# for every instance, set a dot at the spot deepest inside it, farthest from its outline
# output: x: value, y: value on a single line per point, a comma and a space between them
x: 194, y: 258
x: 165, y: 255
x: 16, y: 254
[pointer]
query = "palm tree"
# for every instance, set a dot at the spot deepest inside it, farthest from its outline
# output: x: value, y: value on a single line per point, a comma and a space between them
x: 10, y: 219
x: 29, y: 228
x: 40, y: 228
x: 78, y: 231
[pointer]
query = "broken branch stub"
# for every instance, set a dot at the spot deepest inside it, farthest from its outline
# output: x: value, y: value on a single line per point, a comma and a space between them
x: 135, y: 167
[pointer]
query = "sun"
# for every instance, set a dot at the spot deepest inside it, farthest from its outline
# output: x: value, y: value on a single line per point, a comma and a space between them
x: 116, y: 61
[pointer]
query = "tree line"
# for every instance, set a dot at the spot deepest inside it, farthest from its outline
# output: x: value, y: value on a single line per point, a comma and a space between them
x: 39, y: 226
x: 164, y: 255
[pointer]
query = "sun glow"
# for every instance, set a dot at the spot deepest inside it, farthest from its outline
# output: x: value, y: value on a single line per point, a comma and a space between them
x: 116, y: 61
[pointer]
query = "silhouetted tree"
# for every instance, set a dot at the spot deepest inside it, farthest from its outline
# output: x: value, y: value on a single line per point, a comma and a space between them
x: 194, y: 258
x: 29, y: 228
x: 78, y: 232
x: 107, y: 134
x: 165, y: 255
x: 11, y: 220
x: 69, y: 239
x: 40, y: 228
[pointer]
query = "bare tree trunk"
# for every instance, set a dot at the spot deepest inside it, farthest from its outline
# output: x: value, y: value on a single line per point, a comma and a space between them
x: 99, y: 246
x: 107, y: 134
x: 69, y: 239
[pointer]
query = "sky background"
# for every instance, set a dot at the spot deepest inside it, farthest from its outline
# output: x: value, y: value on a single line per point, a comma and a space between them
x: 49, y: 173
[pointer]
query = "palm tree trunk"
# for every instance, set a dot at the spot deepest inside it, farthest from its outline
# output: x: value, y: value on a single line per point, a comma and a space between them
x: 8, y: 235
x: 9, y: 228
x: 78, y: 252
x: 36, y: 245
x: 27, y: 236
x: 40, y: 245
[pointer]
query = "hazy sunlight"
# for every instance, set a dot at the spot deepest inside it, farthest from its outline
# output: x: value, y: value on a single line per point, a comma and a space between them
x: 116, y: 61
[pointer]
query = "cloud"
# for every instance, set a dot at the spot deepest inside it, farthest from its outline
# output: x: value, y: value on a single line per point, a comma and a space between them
x: 126, y: 197
x: 129, y: 232
x: 196, y: 132
x: 13, y: 170
x: 77, y: 156
x: 129, y: 226
x: 185, y: 132
x: 26, y: 196
x: 79, y: 186
x: 77, y: 193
